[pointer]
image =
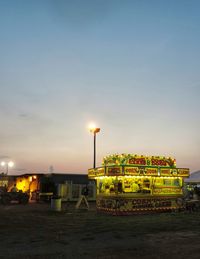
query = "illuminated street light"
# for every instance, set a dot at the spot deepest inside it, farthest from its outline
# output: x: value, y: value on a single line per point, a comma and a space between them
x: 7, y: 165
x: 94, y: 130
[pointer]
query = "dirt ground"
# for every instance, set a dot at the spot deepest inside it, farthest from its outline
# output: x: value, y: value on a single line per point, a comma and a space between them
x: 34, y: 231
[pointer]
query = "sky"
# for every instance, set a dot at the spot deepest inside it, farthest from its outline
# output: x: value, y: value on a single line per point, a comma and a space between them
x: 132, y: 67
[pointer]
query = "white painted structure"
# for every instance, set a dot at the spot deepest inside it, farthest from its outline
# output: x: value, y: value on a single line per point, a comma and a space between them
x: 69, y: 191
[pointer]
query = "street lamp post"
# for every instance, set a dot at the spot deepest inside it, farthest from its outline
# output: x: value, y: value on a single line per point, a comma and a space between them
x: 7, y: 165
x: 94, y: 130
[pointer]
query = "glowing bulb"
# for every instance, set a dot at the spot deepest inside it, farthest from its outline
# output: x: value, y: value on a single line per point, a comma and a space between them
x: 10, y: 164
x: 92, y: 126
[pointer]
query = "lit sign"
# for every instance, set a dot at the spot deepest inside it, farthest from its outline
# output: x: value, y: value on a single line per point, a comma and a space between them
x: 137, y: 161
x: 100, y: 172
x: 183, y: 172
x: 148, y: 161
x: 131, y: 159
x: 131, y: 171
x: 167, y: 190
x: 165, y: 172
x: 91, y: 173
x: 114, y: 170
x: 174, y: 172
x: 151, y: 171
x: 159, y: 162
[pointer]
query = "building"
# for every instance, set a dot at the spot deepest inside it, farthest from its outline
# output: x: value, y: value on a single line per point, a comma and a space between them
x: 128, y: 184
x: 44, y: 186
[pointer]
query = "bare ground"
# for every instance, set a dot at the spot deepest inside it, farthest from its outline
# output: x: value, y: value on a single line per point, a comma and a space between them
x: 34, y: 231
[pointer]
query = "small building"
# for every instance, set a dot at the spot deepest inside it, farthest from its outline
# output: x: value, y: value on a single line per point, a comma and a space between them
x: 3, y: 180
x: 44, y: 186
x: 128, y: 184
x: 67, y: 186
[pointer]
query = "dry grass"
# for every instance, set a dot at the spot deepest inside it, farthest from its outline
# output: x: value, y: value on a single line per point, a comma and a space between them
x: 33, y: 231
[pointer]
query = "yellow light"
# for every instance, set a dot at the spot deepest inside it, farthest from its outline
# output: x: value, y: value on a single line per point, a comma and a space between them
x: 92, y: 126
x: 34, y: 177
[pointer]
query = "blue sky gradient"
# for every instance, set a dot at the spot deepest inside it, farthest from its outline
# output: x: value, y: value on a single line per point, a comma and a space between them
x: 130, y: 66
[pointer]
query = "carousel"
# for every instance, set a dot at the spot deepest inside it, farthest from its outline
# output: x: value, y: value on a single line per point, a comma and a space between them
x: 131, y: 184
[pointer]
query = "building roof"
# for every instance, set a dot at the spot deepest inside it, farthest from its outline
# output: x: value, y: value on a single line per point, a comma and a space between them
x: 62, y: 178
x: 58, y: 178
x: 75, y: 178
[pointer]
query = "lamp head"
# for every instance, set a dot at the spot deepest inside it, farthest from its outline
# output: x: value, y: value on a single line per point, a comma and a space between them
x: 93, y: 128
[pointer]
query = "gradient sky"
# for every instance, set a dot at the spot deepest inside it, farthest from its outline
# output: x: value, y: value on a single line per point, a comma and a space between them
x: 130, y: 66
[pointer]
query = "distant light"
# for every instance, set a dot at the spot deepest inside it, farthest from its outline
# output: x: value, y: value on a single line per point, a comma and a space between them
x: 3, y: 163
x: 10, y: 164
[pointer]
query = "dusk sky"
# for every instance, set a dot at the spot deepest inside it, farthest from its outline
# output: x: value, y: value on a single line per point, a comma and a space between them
x: 132, y: 67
